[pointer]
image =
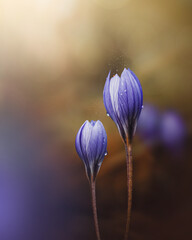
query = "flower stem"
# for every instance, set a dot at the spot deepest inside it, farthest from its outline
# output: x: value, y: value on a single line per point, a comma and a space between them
x: 128, y: 149
x: 94, y: 206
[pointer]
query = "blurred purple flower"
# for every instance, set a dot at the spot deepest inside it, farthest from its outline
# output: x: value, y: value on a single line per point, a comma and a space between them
x: 123, y: 100
x: 91, y: 146
x: 15, y: 203
x: 172, y: 130
x: 148, y: 124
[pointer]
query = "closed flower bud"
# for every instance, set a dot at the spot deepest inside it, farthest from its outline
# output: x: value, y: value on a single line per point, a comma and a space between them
x: 123, y: 100
x: 91, y: 146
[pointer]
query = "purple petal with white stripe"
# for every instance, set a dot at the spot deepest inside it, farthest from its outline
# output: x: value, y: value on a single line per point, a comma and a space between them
x: 91, y: 146
x: 123, y: 100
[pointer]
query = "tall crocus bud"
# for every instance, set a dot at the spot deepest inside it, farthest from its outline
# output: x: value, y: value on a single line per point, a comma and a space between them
x: 91, y: 146
x: 123, y: 100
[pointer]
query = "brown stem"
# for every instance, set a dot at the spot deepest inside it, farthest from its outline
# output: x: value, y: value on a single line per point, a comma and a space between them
x: 128, y: 149
x: 93, y: 194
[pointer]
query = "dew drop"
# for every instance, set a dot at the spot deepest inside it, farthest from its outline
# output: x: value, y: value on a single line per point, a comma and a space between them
x: 121, y: 94
x: 106, y: 154
x: 107, y: 114
x: 142, y: 107
x: 125, y: 90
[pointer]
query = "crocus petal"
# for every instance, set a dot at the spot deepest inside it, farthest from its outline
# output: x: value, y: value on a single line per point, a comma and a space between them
x: 126, y: 102
x: 93, y: 146
x: 104, y: 141
x: 79, y: 148
x: 125, y: 98
x: 98, y: 146
x: 78, y: 143
x: 113, y: 89
x: 85, y: 138
x: 107, y: 99
x: 129, y: 105
x: 139, y: 84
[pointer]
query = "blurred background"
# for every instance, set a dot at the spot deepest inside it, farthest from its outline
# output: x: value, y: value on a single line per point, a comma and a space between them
x: 54, y: 58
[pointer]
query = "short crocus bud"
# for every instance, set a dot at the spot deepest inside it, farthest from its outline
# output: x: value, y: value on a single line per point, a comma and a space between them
x: 91, y: 146
x: 123, y: 100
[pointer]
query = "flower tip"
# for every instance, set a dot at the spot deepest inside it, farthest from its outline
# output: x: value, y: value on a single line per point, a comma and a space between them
x: 131, y: 72
x: 98, y: 121
x: 124, y: 71
x: 109, y: 74
x: 93, y: 123
x: 115, y: 76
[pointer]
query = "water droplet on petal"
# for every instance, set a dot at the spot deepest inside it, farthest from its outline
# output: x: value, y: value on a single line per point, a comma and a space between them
x: 107, y: 114
x: 99, y: 164
x: 106, y: 154
x: 142, y: 107
x: 125, y: 90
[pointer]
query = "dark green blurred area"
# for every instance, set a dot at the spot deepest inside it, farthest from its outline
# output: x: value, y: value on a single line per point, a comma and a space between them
x: 55, y: 57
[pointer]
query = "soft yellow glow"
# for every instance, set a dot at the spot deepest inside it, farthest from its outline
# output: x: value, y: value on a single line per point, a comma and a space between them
x: 111, y: 4
x: 33, y: 28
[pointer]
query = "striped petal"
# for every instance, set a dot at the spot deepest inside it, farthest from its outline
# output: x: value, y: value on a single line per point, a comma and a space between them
x: 123, y: 99
x: 91, y: 145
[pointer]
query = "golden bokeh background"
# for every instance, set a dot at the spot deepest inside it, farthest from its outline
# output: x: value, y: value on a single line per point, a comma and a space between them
x: 54, y: 59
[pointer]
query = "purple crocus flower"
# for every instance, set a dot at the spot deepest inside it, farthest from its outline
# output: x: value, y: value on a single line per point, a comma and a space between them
x: 149, y: 124
x: 91, y: 146
x: 123, y: 100
x: 172, y: 130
